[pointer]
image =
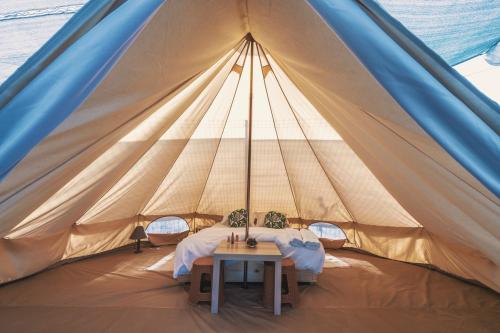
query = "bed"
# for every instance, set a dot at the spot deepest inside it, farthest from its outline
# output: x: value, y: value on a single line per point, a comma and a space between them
x: 308, y: 262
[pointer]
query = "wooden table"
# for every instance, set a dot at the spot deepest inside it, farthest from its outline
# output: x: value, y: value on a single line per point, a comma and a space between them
x: 265, y: 251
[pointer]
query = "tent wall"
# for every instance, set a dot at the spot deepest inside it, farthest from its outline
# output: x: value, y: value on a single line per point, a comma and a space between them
x: 437, y: 191
x: 160, y: 62
x: 58, y: 92
x: 437, y: 110
x: 417, y: 245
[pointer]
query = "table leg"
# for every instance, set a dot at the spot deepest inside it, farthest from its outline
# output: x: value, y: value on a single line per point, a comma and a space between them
x: 245, y: 274
x: 277, y: 287
x: 215, y: 286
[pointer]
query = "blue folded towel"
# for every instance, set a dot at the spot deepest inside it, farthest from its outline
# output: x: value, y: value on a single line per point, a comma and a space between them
x: 296, y: 243
x: 312, y: 245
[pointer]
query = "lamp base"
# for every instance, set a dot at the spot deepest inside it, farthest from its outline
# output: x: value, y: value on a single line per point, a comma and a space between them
x: 138, y: 246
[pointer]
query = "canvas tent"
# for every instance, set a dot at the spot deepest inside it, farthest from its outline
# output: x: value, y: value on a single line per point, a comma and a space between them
x: 138, y: 109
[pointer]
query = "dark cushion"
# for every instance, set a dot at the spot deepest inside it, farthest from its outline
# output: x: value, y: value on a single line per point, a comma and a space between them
x: 238, y: 218
x: 275, y: 220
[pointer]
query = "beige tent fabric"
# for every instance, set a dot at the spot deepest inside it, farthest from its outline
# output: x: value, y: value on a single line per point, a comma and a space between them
x: 417, y: 245
x: 437, y: 192
x: 141, y: 180
x: 368, y: 201
x: 165, y: 134
x: 123, y: 100
x: 113, y: 163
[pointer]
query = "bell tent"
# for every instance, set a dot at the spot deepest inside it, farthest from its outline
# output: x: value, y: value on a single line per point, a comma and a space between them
x: 323, y: 110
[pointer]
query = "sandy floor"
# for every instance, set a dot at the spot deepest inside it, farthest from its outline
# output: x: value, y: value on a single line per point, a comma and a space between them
x: 114, y: 293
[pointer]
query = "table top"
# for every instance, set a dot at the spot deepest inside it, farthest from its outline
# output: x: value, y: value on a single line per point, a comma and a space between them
x: 264, y: 251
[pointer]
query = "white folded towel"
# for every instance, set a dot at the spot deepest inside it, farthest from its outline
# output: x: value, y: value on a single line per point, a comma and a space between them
x: 309, y: 239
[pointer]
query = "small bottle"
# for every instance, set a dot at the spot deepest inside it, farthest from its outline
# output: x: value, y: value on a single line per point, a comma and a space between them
x: 232, y: 238
x: 228, y: 239
x: 237, y: 238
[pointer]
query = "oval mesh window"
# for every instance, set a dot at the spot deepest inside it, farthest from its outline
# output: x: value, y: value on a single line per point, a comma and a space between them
x: 167, y: 225
x: 328, y: 231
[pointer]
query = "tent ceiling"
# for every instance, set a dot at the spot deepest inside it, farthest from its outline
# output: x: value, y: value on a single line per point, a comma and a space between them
x: 197, y: 162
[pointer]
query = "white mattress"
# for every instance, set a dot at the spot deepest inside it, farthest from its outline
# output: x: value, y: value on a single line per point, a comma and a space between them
x: 205, y: 241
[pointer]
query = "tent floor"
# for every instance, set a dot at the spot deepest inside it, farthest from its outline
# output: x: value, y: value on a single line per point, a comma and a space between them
x: 113, y: 293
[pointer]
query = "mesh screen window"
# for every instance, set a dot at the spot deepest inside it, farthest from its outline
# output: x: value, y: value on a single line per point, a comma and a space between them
x: 167, y: 225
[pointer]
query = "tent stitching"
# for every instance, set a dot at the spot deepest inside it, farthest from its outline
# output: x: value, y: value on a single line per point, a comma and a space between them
x: 222, y: 134
x: 90, y: 145
x: 428, y: 156
x: 310, y: 146
x: 146, y: 202
x: 278, y: 139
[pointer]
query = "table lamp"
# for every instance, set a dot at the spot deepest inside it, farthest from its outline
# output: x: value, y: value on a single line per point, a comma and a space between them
x: 137, y: 235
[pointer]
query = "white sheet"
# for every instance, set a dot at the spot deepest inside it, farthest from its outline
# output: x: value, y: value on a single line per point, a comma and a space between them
x: 205, y: 241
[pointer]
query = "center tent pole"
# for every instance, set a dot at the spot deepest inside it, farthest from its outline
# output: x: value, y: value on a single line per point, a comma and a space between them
x: 249, y: 156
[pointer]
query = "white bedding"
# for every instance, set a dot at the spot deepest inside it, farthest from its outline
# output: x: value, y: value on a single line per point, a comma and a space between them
x: 204, y: 242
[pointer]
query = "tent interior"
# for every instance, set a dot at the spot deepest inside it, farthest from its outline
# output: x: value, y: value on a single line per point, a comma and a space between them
x: 324, y: 111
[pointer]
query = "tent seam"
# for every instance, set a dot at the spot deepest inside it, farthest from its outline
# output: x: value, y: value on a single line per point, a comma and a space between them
x: 299, y: 213
x: 222, y: 134
x: 144, y: 205
x: 313, y: 151
x: 86, y: 148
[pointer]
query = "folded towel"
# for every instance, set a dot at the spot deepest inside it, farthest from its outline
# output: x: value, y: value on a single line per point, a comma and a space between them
x: 310, y: 240
x: 296, y: 242
x: 312, y: 245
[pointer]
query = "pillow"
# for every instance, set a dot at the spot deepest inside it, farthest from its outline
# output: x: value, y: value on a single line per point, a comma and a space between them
x: 260, y: 216
x: 225, y: 219
x: 238, y: 218
x: 275, y: 220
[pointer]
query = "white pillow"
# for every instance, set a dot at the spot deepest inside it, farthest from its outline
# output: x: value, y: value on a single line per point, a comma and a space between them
x: 260, y: 219
x: 225, y: 219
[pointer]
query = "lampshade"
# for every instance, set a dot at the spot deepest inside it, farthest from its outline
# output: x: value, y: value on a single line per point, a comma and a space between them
x: 138, y: 233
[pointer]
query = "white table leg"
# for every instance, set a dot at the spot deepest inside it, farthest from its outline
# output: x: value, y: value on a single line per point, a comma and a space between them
x: 215, y: 286
x: 277, y: 287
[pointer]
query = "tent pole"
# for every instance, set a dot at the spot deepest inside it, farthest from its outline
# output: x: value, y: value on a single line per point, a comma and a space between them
x: 249, y: 157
